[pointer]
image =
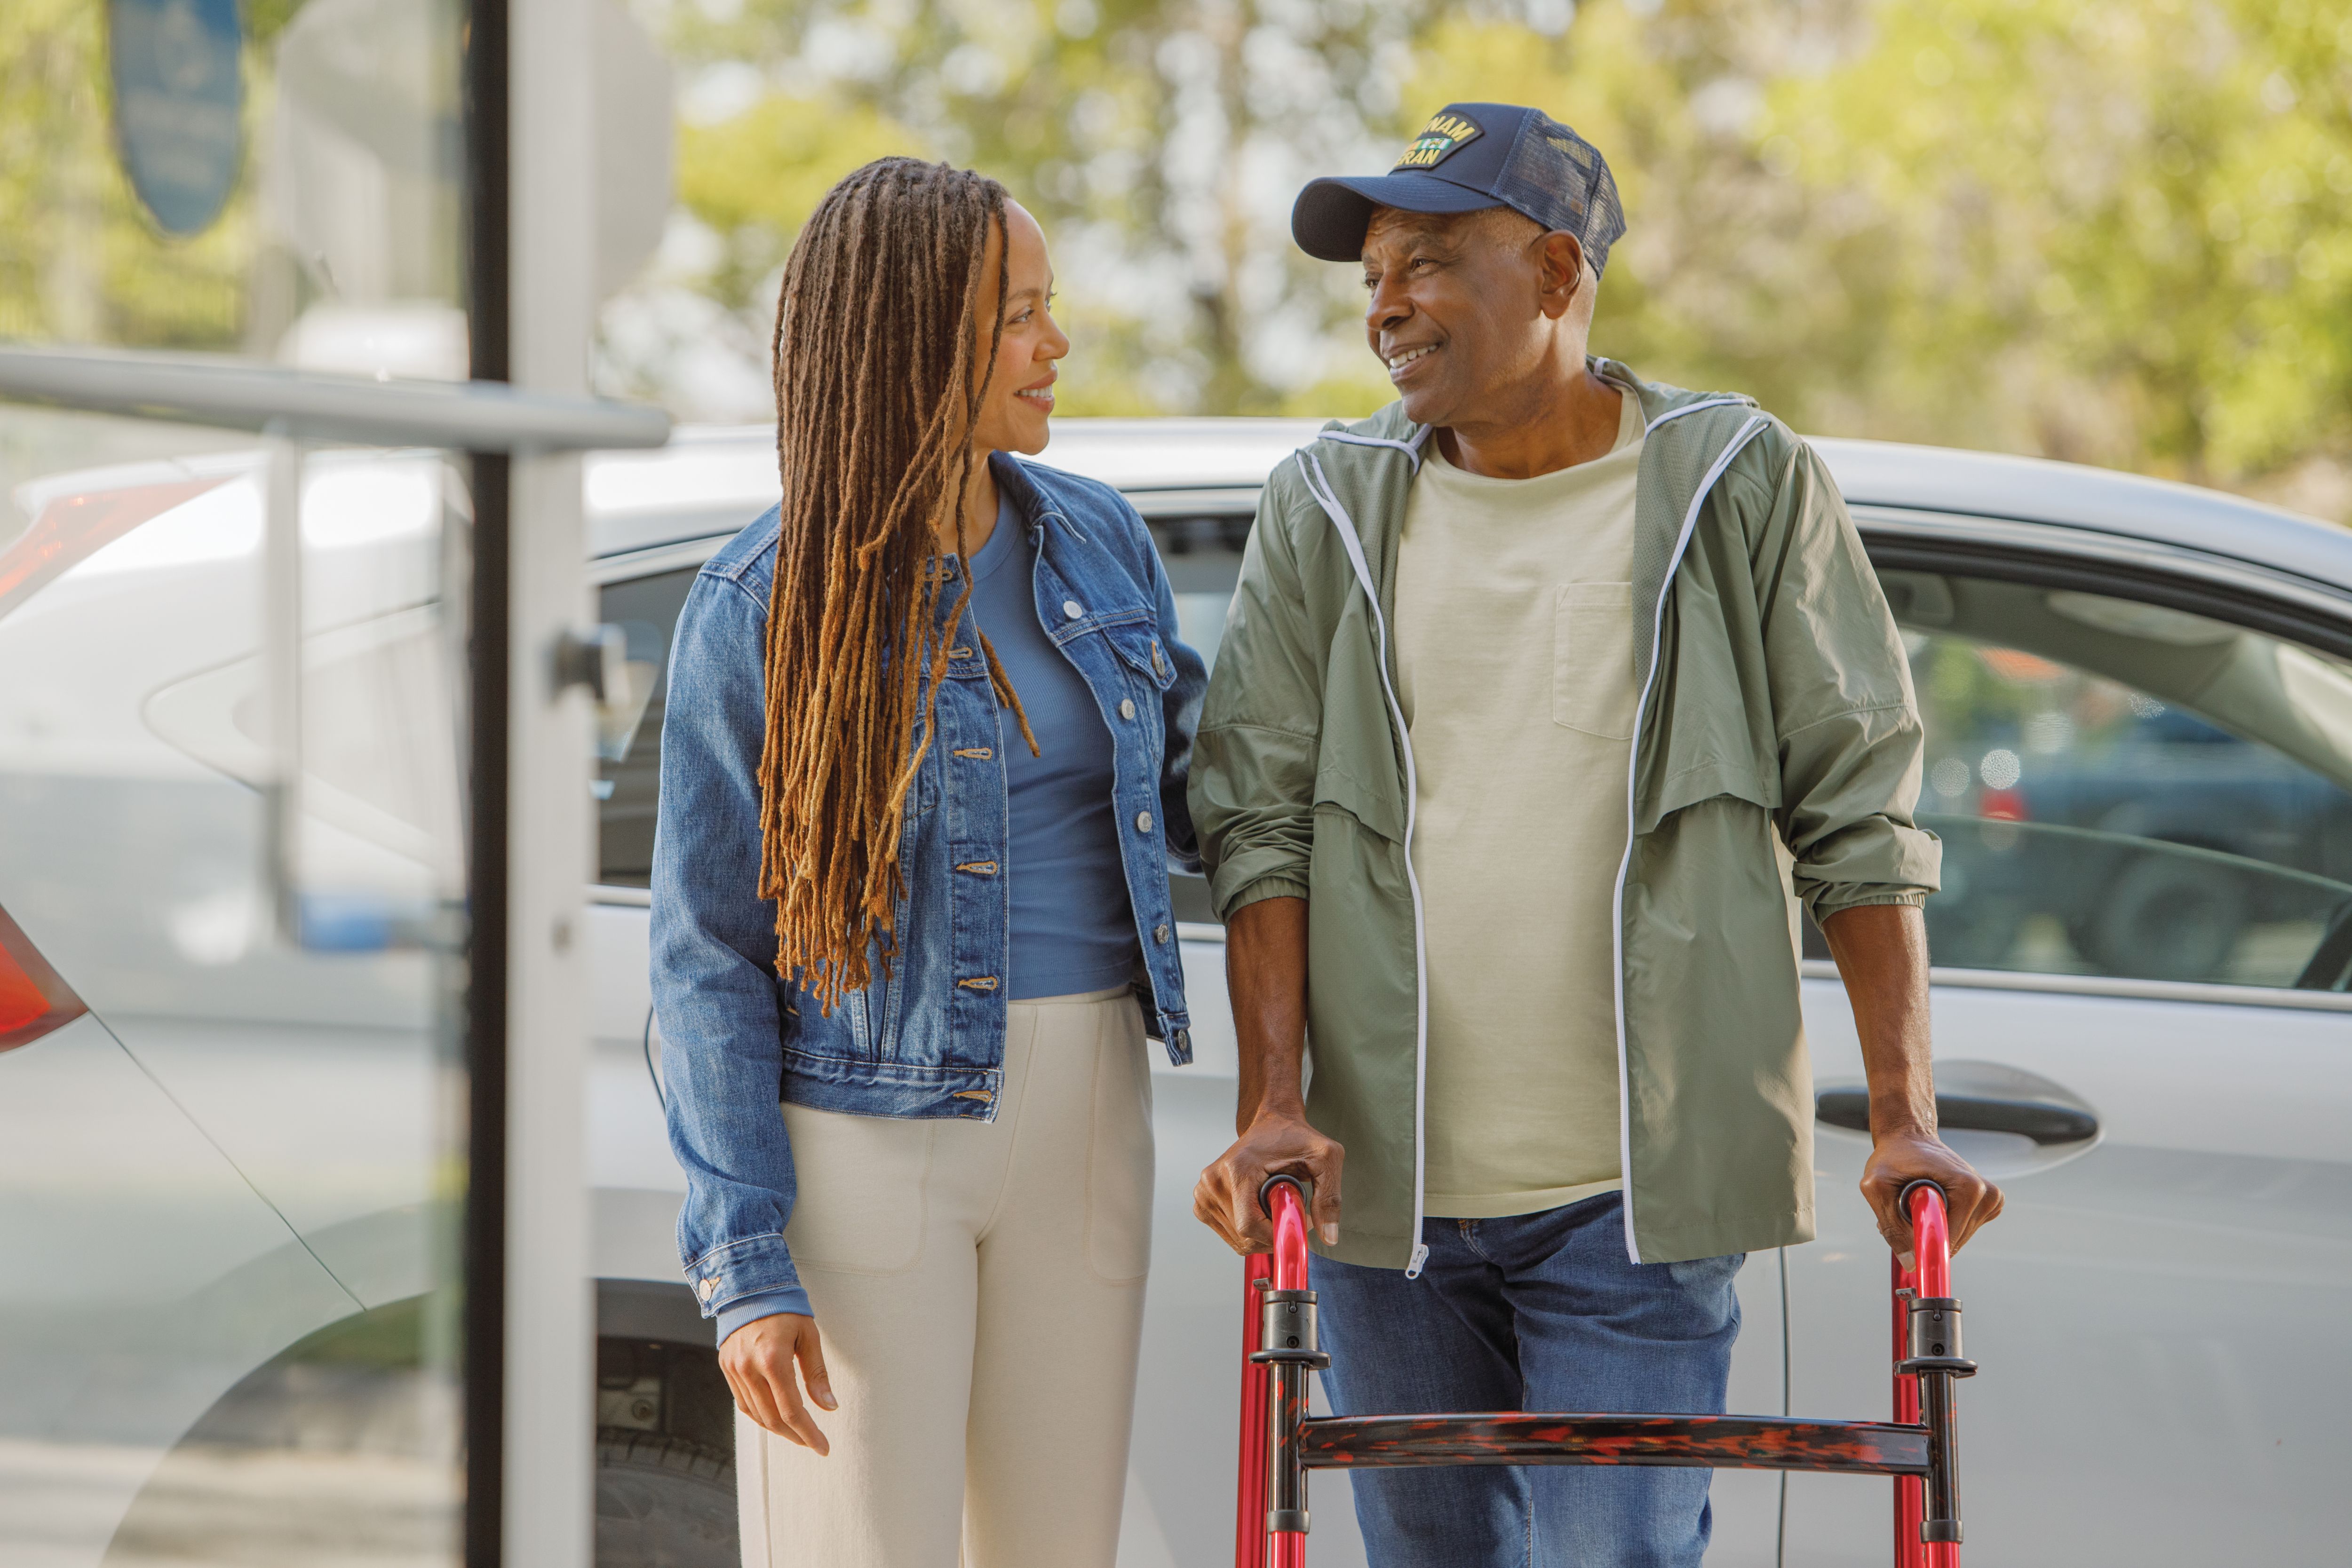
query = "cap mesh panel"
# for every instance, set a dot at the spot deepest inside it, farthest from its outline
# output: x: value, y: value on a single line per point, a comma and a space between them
x: 1560, y: 180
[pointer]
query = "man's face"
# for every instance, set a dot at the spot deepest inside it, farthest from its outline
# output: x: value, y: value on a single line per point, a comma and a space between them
x: 1457, y: 309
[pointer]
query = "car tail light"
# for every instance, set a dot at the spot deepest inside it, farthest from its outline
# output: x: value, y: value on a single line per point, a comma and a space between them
x: 2003, y: 806
x: 72, y: 529
x: 33, y: 999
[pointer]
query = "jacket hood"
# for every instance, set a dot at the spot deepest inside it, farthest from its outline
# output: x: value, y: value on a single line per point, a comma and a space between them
x: 1658, y: 399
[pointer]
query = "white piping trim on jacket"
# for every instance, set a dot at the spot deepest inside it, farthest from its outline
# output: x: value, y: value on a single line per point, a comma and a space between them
x: 1693, y: 408
x: 1412, y: 449
x: 1747, y: 432
x: 1320, y: 488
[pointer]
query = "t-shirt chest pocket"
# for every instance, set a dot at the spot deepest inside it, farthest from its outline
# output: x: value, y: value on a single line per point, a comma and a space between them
x: 1592, y: 659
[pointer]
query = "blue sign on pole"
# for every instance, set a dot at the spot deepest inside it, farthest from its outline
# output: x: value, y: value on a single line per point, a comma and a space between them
x: 179, y: 101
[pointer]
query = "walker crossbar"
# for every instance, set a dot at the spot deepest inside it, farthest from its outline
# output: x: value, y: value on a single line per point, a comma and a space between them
x: 1279, y: 1442
x: 1527, y: 1437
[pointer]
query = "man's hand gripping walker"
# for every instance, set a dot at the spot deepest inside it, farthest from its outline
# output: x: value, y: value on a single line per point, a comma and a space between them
x: 1279, y: 1443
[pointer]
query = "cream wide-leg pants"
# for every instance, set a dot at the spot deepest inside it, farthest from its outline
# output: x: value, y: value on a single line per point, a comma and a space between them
x: 978, y: 1286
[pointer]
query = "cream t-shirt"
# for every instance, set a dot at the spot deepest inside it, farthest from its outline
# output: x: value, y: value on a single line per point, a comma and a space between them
x: 1515, y: 655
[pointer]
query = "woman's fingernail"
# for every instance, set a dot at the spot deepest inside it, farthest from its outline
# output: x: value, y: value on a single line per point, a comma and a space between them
x: 1331, y: 1234
x: 827, y: 1400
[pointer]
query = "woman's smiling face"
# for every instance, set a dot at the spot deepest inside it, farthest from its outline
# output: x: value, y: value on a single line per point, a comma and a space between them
x: 1015, y: 414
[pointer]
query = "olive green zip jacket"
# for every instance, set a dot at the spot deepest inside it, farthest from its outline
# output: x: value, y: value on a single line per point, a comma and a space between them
x: 1775, y: 710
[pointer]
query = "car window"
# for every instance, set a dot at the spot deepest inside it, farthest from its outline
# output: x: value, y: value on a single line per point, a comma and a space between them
x: 2130, y: 790
x: 1203, y: 556
x: 627, y: 785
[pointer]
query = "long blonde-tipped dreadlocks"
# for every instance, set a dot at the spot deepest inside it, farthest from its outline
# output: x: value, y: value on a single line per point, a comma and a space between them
x: 877, y: 388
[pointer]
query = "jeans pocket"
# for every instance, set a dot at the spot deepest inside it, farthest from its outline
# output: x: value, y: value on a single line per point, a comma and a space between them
x: 1120, y: 1150
x: 1592, y: 659
x: 859, y: 1199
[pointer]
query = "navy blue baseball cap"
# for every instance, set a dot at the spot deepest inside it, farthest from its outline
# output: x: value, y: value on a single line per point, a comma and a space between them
x: 1473, y: 156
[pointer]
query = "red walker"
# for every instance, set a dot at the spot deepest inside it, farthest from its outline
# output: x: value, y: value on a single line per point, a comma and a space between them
x: 1279, y: 1442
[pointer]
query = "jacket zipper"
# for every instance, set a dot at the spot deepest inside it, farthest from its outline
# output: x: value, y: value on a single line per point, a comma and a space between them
x: 1748, y: 432
x: 1312, y: 468
x: 1320, y: 488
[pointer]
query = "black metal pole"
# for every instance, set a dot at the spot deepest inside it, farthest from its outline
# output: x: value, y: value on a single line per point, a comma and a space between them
x: 1285, y: 1491
x: 1940, y: 1520
x: 485, y: 1244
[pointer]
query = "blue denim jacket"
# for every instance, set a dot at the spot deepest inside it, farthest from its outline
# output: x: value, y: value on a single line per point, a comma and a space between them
x: 927, y: 1039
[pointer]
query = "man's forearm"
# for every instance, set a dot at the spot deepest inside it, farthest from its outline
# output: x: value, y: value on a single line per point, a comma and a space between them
x: 1266, y: 973
x: 1265, y: 976
x: 1882, y: 956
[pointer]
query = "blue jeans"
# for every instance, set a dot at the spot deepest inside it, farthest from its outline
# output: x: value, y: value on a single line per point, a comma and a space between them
x: 1536, y: 1311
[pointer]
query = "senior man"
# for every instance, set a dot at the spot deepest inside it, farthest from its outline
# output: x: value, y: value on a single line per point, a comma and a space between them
x: 1544, y: 690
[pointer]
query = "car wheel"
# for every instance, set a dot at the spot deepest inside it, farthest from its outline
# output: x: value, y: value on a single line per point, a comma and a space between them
x: 663, y: 1501
x: 665, y: 1449
x: 2165, y: 920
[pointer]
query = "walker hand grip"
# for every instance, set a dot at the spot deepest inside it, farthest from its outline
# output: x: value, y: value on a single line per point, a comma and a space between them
x: 1300, y: 1188
x: 1272, y: 1530
x: 1929, y: 1207
x: 1927, y: 1522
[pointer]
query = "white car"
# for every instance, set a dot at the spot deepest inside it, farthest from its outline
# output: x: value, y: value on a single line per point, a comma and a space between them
x: 2139, y: 722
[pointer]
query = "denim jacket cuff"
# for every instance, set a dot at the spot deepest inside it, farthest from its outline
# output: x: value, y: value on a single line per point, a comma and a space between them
x: 767, y: 1304
x: 735, y: 1271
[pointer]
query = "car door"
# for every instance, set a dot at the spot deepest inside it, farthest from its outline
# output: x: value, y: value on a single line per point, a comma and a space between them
x: 637, y: 1184
x: 2143, y: 782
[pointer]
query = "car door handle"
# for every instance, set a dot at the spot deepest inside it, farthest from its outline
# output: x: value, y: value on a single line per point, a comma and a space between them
x: 2043, y: 1121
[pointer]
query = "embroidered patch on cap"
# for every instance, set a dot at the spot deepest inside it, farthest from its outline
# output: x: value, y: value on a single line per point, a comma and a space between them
x: 1440, y: 140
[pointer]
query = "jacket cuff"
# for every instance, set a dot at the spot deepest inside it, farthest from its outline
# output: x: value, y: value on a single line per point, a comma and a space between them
x: 1264, y: 887
x: 766, y: 1304
x: 739, y: 1270
x: 1834, y: 898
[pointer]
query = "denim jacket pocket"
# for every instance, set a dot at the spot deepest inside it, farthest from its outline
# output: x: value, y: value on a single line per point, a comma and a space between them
x: 1140, y: 647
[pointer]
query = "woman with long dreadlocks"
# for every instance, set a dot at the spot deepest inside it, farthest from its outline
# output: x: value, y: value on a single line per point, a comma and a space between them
x: 922, y: 775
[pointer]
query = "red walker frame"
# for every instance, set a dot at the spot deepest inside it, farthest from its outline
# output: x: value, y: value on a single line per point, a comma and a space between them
x: 1280, y: 1443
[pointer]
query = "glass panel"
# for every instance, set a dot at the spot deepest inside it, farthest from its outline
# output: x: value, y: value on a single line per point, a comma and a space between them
x: 229, y: 1157
x: 647, y: 608
x: 274, y: 180
x: 1203, y: 557
x: 2130, y: 790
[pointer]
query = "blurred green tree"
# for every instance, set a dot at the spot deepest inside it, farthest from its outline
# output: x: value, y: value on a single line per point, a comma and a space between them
x: 2106, y: 230
x: 80, y: 261
x: 2112, y: 231
x: 1149, y: 136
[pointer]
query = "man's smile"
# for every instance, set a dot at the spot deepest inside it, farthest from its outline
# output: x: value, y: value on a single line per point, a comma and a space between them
x: 1403, y: 357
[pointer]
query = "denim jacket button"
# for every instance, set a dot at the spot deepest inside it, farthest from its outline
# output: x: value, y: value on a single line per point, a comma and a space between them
x: 1159, y: 934
x: 1070, y: 608
x: 1126, y: 707
x: 1143, y: 821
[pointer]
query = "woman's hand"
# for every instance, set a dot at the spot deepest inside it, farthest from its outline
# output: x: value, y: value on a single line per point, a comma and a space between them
x: 758, y: 1361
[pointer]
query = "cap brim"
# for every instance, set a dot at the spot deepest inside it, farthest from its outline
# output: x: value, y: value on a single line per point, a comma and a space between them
x: 1330, y: 216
